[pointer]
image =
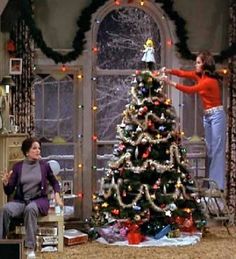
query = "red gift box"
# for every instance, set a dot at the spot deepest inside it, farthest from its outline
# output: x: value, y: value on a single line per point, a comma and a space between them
x: 134, y: 238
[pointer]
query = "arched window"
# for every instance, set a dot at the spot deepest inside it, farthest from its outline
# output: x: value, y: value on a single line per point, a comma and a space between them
x: 119, y: 38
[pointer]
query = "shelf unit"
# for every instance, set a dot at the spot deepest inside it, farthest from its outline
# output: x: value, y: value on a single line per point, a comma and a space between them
x: 10, y: 153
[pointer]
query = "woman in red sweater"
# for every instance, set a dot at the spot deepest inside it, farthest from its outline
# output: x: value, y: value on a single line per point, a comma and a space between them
x: 214, y: 119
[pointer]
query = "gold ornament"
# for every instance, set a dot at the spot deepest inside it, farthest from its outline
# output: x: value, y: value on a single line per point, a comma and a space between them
x: 129, y: 188
x: 153, y: 196
x: 96, y: 207
x: 168, y: 101
x: 137, y: 217
x: 149, y: 80
x: 105, y: 205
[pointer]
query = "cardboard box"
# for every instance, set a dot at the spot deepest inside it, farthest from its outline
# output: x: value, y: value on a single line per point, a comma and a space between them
x: 74, y: 237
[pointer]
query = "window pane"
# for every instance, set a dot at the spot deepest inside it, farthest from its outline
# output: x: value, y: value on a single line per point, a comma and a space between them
x: 54, y: 108
x: 121, y: 37
x: 51, y: 100
x: 38, y: 102
x: 112, y: 96
x: 66, y: 109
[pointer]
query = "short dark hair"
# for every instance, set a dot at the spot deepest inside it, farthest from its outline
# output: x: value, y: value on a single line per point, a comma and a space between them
x: 27, y: 144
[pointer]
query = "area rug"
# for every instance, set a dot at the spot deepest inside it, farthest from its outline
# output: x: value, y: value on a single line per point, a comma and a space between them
x: 164, y: 241
x: 217, y: 244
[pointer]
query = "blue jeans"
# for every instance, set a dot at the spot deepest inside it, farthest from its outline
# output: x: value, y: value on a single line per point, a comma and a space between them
x: 215, y: 136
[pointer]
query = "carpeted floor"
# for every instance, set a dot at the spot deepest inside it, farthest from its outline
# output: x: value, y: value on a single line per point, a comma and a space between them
x: 217, y: 244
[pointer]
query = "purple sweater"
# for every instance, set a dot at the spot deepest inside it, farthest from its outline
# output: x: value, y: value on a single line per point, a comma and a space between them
x: 47, y: 175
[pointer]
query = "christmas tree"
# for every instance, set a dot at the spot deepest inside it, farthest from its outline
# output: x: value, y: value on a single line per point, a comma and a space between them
x: 148, y: 187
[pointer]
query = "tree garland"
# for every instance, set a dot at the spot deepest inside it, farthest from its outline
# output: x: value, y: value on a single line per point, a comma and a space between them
x: 84, y: 25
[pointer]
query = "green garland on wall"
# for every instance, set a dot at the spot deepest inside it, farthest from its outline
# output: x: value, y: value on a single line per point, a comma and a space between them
x: 84, y: 25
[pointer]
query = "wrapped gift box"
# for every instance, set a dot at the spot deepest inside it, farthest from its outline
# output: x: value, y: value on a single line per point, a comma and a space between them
x: 74, y: 237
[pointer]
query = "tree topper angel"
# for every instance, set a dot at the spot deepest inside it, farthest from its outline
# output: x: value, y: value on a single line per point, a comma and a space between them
x: 148, y: 56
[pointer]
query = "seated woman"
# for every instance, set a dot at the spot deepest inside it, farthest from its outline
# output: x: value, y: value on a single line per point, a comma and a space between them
x: 28, y: 181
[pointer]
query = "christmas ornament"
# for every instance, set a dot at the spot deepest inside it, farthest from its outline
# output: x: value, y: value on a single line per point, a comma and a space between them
x: 179, y: 220
x: 11, y: 47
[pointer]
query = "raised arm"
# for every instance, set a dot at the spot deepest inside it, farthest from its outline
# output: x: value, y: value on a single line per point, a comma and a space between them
x: 183, y: 73
x: 184, y: 88
x: 9, y: 180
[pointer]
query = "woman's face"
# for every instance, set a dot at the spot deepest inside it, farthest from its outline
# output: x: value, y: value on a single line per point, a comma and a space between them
x: 34, y: 152
x: 198, y: 65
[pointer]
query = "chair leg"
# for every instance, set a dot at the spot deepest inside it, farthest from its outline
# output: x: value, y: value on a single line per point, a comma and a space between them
x: 60, y: 236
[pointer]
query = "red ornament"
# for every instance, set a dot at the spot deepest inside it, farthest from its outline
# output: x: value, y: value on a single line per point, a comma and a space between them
x: 147, y: 153
x: 80, y: 195
x: 155, y: 187
x: 179, y: 220
x: 149, y: 123
x: 169, y: 42
x: 63, y: 68
x: 145, y: 109
x: 11, y: 47
x: 95, y: 138
x: 155, y: 73
x: 121, y: 147
x: 117, y: 2
x: 95, y: 49
x: 115, y: 212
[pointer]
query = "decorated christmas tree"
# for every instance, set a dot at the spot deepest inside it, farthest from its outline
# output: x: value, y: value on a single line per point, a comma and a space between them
x: 148, y: 188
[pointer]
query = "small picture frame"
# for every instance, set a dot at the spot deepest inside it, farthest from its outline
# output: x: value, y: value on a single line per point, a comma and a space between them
x: 67, y: 187
x: 15, y: 66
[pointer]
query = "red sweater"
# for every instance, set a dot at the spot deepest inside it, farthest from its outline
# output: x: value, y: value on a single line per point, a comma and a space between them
x: 207, y: 87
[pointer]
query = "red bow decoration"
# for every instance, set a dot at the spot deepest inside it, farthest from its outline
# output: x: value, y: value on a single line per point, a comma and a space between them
x: 11, y: 47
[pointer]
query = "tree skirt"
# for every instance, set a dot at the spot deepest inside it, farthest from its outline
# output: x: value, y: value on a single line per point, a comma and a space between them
x: 183, y: 240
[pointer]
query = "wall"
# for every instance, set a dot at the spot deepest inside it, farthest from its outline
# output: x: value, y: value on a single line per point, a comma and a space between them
x: 206, y: 21
x: 57, y: 20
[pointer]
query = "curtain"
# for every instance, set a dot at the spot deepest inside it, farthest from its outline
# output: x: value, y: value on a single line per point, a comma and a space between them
x: 231, y: 159
x: 22, y: 98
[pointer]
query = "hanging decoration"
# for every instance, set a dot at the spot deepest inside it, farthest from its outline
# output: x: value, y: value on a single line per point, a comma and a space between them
x: 22, y: 103
x: 84, y: 25
x: 11, y: 47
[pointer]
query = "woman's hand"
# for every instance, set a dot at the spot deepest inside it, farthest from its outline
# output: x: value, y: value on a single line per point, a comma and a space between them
x: 58, y: 200
x: 169, y: 82
x: 5, y: 176
x: 165, y: 70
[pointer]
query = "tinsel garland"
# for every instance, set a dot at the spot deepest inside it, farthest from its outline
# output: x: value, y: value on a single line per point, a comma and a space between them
x: 143, y: 189
x: 174, y: 154
x: 84, y: 25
